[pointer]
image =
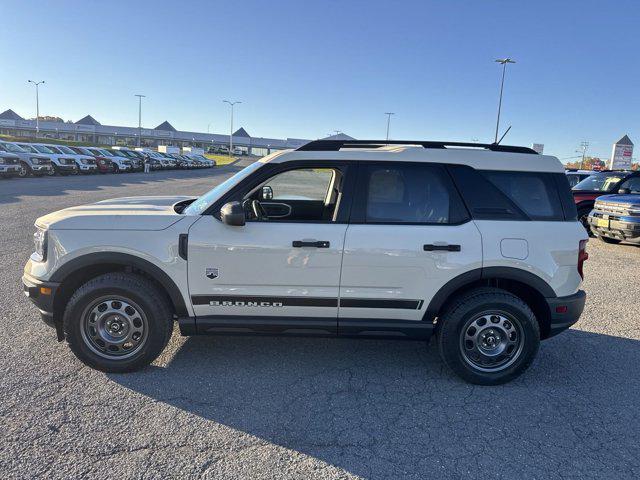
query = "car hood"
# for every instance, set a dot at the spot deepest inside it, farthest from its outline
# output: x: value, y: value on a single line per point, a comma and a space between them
x: 628, y: 198
x: 127, y: 213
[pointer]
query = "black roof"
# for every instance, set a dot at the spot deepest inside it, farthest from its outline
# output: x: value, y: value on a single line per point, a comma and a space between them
x: 10, y: 115
x: 165, y: 126
x: 335, y: 145
x: 88, y: 120
x: 624, y: 141
x: 241, y: 132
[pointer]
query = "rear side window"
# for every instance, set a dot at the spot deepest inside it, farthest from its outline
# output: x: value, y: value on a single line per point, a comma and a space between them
x: 535, y: 193
x: 410, y: 193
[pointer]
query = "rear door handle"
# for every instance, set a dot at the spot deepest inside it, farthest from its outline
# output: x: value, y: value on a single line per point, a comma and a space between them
x: 310, y: 243
x: 442, y: 248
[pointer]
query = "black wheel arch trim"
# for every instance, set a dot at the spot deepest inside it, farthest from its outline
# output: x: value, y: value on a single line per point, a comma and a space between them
x: 486, y: 273
x: 125, y: 260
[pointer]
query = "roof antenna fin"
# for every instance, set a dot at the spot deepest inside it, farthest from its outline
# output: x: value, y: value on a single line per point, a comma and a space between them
x: 503, y: 135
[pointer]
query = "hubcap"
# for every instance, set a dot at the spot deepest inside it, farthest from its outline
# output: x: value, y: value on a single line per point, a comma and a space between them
x: 491, y: 341
x: 114, y: 327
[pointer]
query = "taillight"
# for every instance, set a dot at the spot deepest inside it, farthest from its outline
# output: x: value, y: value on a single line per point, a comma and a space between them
x: 582, y: 256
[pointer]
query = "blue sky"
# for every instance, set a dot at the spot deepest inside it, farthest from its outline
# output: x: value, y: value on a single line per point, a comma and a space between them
x: 303, y: 69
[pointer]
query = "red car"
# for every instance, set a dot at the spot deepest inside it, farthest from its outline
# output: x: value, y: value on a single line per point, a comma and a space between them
x: 602, y: 183
x: 104, y: 164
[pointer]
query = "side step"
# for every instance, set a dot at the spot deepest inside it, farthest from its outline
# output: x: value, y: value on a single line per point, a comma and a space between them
x: 306, y: 326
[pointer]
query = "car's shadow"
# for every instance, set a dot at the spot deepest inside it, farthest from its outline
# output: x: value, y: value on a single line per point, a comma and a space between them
x: 389, y: 408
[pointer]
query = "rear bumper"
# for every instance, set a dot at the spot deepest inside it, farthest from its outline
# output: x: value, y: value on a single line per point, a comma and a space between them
x: 565, y: 311
x: 42, y: 295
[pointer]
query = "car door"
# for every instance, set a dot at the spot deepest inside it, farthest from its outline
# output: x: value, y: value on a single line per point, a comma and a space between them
x: 409, y: 235
x: 273, y: 273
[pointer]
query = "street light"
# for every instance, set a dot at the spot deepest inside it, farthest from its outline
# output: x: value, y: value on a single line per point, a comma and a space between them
x: 388, y: 114
x: 140, y: 97
x: 37, y: 106
x: 503, y: 62
x: 231, y: 131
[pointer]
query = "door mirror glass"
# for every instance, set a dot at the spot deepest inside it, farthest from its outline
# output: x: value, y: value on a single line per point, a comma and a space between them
x: 624, y: 191
x: 267, y: 193
x: 232, y: 214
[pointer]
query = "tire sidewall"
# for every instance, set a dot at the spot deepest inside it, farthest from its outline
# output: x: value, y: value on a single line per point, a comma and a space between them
x: 452, y: 330
x: 73, y: 324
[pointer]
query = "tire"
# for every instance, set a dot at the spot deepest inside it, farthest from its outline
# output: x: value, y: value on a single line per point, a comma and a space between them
x: 24, y: 170
x: 53, y: 171
x: 582, y: 218
x: 608, y: 240
x: 116, y: 169
x: 459, y: 322
x: 111, y: 304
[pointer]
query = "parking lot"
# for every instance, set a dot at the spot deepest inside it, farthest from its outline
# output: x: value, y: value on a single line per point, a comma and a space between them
x: 234, y: 407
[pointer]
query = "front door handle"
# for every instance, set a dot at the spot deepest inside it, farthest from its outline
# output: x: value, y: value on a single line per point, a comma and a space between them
x: 442, y: 248
x: 310, y: 243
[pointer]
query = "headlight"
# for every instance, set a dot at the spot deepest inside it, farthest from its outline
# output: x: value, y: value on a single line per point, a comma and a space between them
x: 40, y: 243
x: 35, y: 160
x: 634, y: 209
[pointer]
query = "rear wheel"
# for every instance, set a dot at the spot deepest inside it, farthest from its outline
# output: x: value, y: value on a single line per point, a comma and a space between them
x: 488, y: 336
x: 117, y: 322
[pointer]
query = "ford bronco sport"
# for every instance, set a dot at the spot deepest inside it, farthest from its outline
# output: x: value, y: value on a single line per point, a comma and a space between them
x: 477, y: 244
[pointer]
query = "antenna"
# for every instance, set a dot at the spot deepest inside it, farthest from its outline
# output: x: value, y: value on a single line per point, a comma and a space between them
x: 503, y: 135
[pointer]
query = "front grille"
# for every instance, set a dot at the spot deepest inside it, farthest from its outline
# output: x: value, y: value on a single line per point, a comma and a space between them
x: 9, y: 161
x: 619, y: 209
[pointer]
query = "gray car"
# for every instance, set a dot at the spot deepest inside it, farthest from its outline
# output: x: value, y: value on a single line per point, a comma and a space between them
x: 29, y: 163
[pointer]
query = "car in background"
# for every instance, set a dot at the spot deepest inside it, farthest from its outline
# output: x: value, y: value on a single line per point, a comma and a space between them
x: 28, y: 162
x: 616, y: 218
x: 103, y: 163
x: 120, y: 163
x: 85, y: 163
x: 62, y: 164
x: 202, y: 160
x: 9, y: 164
x: 576, y: 176
x: 137, y: 158
x: 598, y: 184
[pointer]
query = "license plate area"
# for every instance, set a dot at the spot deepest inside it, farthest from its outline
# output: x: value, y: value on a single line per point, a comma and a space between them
x: 602, y: 222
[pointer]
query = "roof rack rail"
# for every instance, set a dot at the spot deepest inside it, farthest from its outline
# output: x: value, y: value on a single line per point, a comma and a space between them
x: 335, y: 145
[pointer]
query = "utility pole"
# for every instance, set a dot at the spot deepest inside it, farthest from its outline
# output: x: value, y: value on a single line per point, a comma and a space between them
x: 37, y: 106
x: 140, y: 97
x: 231, y: 131
x: 503, y: 62
x: 388, y: 114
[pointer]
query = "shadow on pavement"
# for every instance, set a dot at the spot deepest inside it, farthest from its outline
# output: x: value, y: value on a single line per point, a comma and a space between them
x: 389, y: 408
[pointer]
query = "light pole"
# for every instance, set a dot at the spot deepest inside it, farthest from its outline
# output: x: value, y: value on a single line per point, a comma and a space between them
x: 37, y: 106
x: 388, y: 114
x: 583, y: 146
x: 140, y: 97
x: 503, y: 62
x: 231, y: 131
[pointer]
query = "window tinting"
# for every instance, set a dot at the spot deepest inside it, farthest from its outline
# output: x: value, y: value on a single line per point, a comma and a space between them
x: 632, y: 184
x: 533, y: 192
x: 411, y: 193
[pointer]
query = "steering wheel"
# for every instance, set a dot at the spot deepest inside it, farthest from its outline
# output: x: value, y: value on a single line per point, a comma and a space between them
x: 258, y: 210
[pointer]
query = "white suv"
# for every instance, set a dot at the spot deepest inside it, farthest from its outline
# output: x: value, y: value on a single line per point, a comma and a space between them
x: 375, y: 239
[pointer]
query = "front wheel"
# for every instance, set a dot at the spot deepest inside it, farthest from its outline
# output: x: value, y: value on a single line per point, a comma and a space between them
x: 117, y: 322
x: 488, y: 336
x: 24, y: 170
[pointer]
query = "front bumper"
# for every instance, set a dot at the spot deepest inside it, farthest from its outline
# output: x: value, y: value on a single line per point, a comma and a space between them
x: 67, y: 168
x: 9, y: 170
x: 41, y: 168
x: 565, y: 311
x: 42, y: 294
x: 620, y: 228
x: 88, y: 168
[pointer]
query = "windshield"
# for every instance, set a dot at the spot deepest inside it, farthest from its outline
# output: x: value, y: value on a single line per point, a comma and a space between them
x: 66, y: 150
x: 43, y: 149
x: 203, y: 202
x: 105, y: 152
x: 10, y: 147
x: 56, y: 150
x: 600, y: 182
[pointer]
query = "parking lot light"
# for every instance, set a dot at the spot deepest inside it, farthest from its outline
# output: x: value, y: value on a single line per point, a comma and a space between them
x: 140, y: 97
x: 388, y: 114
x: 503, y: 62
x: 37, y: 106
x: 231, y: 131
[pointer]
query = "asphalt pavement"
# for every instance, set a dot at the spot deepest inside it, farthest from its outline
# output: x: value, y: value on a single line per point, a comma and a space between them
x: 253, y: 408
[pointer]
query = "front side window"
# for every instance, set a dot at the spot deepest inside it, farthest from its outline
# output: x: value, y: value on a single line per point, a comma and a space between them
x: 42, y: 149
x: 411, y: 193
x: 632, y: 184
x: 301, y: 184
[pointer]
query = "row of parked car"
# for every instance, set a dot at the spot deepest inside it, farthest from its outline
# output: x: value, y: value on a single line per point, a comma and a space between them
x: 608, y: 203
x: 39, y: 159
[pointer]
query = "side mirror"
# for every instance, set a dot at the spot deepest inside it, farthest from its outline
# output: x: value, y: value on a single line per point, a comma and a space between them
x: 232, y: 214
x: 624, y: 191
x: 267, y: 193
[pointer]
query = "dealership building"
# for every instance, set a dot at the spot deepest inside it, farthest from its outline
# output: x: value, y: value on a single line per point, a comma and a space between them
x: 89, y: 130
